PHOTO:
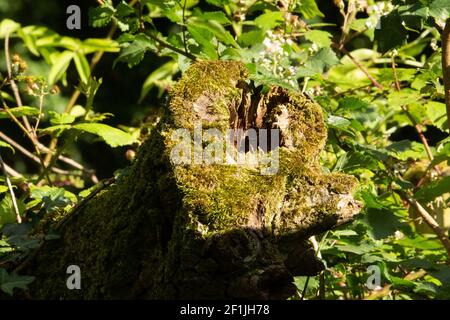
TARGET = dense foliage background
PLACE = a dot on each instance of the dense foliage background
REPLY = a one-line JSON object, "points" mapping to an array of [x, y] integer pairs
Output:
{"points": [[76, 104]]}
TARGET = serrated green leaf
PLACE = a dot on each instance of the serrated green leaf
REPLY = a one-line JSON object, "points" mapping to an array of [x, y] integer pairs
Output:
{"points": [[440, 9], [8, 282], [112, 136], [100, 16], [133, 53], [19, 112], [397, 99], [203, 37], [60, 118], [124, 10], [218, 16], [217, 29], [321, 38], [251, 38], [59, 66], [308, 8], [405, 149], [318, 63], [269, 20]]}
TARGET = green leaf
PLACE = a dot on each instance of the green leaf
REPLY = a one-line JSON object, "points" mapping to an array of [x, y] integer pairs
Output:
{"points": [[269, 20], [382, 222], [100, 16], [93, 45], [82, 65], [320, 38], [318, 63], [433, 190], [217, 29], [59, 66], [405, 149], [8, 26], [308, 8], [405, 97], [7, 214], [19, 112], [218, 16], [6, 145], [251, 38], [133, 53], [392, 33], [401, 283], [420, 242], [29, 40], [167, 70], [338, 122], [440, 9], [124, 10], [203, 37], [112, 136], [61, 118], [57, 130], [353, 104], [8, 282], [52, 198], [3, 189]]}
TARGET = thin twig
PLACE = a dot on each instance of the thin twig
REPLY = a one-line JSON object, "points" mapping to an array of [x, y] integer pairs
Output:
{"points": [[359, 65], [394, 70], [170, 47], [13, 84], [28, 154], [33, 139], [422, 137], [12, 172], [41, 105], [11, 191], [438, 230]]}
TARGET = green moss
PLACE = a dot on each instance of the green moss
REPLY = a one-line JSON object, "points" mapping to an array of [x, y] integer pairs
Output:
{"points": [[210, 86], [147, 232]]}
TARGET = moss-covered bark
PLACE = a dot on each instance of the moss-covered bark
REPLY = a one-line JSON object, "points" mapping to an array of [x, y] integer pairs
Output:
{"points": [[168, 230]]}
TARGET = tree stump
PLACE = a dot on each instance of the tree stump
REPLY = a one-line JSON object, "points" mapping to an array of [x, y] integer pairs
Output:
{"points": [[170, 230]]}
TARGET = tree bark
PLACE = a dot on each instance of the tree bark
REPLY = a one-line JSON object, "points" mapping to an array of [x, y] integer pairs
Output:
{"points": [[171, 230]]}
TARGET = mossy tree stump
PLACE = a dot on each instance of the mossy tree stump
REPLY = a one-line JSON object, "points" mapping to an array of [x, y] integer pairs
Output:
{"points": [[206, 231]]}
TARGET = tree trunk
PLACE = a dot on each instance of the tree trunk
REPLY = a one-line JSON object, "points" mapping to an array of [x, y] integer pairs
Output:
{"points": [[169, 229]]}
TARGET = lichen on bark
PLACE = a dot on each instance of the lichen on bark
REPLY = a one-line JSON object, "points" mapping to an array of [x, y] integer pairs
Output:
{"points": [[196, 230]]}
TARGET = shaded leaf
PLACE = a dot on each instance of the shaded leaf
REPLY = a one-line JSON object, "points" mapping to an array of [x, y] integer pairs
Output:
{"points": [[8, 282], [59, 66], [112, 136]]}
